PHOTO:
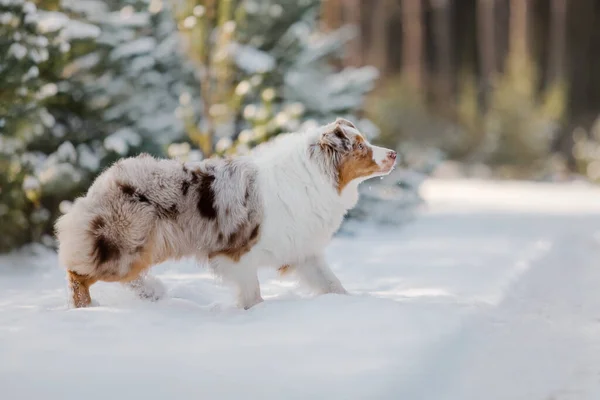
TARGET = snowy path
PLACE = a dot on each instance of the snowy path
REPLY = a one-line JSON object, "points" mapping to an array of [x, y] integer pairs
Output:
{"points": [[494, 293]]}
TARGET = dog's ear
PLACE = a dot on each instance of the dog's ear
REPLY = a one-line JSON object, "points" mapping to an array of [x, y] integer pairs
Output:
{"points": [[336, 139], [342, 121]]}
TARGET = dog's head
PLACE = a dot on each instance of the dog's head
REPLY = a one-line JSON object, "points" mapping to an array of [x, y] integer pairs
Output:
{"points": [[351, 156]]}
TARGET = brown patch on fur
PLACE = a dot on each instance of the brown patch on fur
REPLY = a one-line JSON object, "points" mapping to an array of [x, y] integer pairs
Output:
{"points": [[284, 269], [206, 197], [239, 243], [80, 289], [233, 238], [136, 268], [143, 261], [356, 164]]}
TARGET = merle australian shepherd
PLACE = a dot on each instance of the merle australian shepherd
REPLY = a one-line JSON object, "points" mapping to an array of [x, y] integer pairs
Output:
{"points": [[277, 207]]}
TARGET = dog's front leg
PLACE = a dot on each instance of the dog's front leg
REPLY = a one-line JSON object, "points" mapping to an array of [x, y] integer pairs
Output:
{"points": [[243, 277], [315, 273]]}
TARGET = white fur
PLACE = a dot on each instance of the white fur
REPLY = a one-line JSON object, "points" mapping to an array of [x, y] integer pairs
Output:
{"points": [[380, 154], [302, 212]]}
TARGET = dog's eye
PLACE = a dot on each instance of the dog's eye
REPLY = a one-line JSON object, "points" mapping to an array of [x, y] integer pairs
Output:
{"points": [[360, 146]]}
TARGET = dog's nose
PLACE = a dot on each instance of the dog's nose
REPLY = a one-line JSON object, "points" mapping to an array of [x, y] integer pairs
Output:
{"points": [[392, 154]]}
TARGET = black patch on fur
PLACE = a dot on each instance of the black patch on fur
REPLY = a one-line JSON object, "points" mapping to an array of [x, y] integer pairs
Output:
{"points": [[206, 197], [339, 133], [131, 191], [220, 237], [185, 170], [96, 224], [232, 238], [246, 196], [344, 141], [167, 213], [126, 188], [335, 141], [195, 177], [185, 186], [104, 250], [254, 233]]}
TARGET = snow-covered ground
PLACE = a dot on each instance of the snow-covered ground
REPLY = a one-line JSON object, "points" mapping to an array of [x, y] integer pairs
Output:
{"points": [[492, 293]]}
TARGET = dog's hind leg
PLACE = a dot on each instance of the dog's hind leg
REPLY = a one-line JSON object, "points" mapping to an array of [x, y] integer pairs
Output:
{"points": [[243, 277], [79, 286], [147, 287], [316, 274]]}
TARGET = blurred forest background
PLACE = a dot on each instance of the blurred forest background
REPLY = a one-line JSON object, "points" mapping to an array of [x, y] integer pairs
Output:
{"points": [[483, 88]]}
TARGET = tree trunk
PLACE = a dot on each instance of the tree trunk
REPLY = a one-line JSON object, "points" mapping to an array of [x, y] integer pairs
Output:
{"points": [[518, 33], [354, 49], [557, 38], [378, 52], [486, 44], [331, 15], [412, 43], [442, 42]]}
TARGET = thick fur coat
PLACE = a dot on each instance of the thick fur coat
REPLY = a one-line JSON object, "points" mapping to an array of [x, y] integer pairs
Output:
{"points": [[278, 207]]}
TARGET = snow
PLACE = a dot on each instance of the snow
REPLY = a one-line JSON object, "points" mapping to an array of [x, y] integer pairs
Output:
{"points": [[121, 140], [134, 48], [30, 183], [66, 152], [80, 30], [252, 60], [87, 158], [52, 21], [491, 293], [85, 7], [17, 50], [139, 19]]}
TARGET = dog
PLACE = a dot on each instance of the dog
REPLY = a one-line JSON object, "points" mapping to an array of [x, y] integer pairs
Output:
{"points": [[277, 206]]}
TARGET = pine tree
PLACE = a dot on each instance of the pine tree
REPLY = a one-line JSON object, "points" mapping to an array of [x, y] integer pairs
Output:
{"points": [[137, 77], [84, 82], [266, 69], [35, 46]]}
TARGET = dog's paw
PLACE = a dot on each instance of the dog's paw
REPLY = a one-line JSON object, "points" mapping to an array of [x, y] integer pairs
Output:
{"points": [[248, 304], [150, 288]]}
